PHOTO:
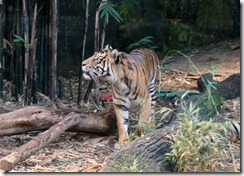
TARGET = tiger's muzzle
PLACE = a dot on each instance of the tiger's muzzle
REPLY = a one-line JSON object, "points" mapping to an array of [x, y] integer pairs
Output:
{"points": [[89, 74]]}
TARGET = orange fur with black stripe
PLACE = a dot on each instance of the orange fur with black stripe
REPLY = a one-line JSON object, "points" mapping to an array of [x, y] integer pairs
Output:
{"points": [[133, 78]]}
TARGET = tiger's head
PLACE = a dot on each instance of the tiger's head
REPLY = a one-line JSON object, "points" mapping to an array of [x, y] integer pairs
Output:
{"points": [[99, 64]]}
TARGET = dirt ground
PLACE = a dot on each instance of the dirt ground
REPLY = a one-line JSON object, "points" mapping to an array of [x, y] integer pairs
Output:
{"points": [[82, 152]]}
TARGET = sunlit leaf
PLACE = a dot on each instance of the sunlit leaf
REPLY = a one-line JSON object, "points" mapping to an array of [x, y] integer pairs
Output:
{"points": [[7, 42], [20, 39]]}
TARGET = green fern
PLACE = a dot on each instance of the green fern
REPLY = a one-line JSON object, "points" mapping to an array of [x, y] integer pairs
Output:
{"points": [[146, 42]]}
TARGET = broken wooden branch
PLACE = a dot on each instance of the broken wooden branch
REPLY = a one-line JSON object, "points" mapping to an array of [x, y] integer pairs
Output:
{"points": [[43, 139], [33, 118]]}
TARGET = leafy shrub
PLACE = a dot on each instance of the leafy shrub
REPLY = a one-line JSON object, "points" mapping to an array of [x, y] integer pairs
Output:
{"points": [[198, 146], [202, 146]]}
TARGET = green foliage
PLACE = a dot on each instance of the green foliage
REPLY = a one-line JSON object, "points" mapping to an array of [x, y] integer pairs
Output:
{"points": [[198, 145], [165, 114], [137, 130], [182, 36], [129, 9], [214, 17], [145, 42], [131, 168], [19, 39], [213, 102], [107, 9], [207, 16], [213, 68], [178, 24]]}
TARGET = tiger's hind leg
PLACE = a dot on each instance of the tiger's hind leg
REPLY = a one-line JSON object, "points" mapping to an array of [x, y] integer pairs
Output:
{"points": [[144, 117], [152, 90]]}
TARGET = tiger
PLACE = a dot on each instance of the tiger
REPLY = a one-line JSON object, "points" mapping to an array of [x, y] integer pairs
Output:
{"points": [[133, 80]]}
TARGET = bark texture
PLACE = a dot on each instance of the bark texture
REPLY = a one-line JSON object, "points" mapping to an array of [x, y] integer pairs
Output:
{"points": [[33, 118], [147, 153], [43, 139], [228, 88]]}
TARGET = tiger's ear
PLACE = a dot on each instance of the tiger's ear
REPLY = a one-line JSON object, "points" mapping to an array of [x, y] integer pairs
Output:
{"points": [[114, 56], [108, 47]]}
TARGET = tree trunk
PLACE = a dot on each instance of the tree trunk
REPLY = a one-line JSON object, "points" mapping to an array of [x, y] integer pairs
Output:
{"points": [[54, 40], [43, 139], [33, 118]]}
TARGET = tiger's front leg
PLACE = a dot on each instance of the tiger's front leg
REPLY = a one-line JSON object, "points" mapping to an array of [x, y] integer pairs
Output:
{"points": [[122, 118]]}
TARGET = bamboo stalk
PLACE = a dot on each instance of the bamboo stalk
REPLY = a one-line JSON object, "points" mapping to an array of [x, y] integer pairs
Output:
{"points": [[96, 37], [12, 26], [31, 59], [26, 38], [103, 34], [67, 54], [70, 88], [88, 91], [83, 53], [61, 88], [34, 81], [41, 56], [2, 24], [46, 51], [54, 39], [97, 47], [18, 54]]}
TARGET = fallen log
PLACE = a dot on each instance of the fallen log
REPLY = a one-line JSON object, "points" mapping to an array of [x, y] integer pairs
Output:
{"points": [[33, 118], [146, 153], [212, 97], [214, 93], [227, 89], [40, 141]]}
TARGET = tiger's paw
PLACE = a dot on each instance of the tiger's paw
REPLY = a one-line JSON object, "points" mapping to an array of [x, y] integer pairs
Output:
{"points": [[117, 146]]}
